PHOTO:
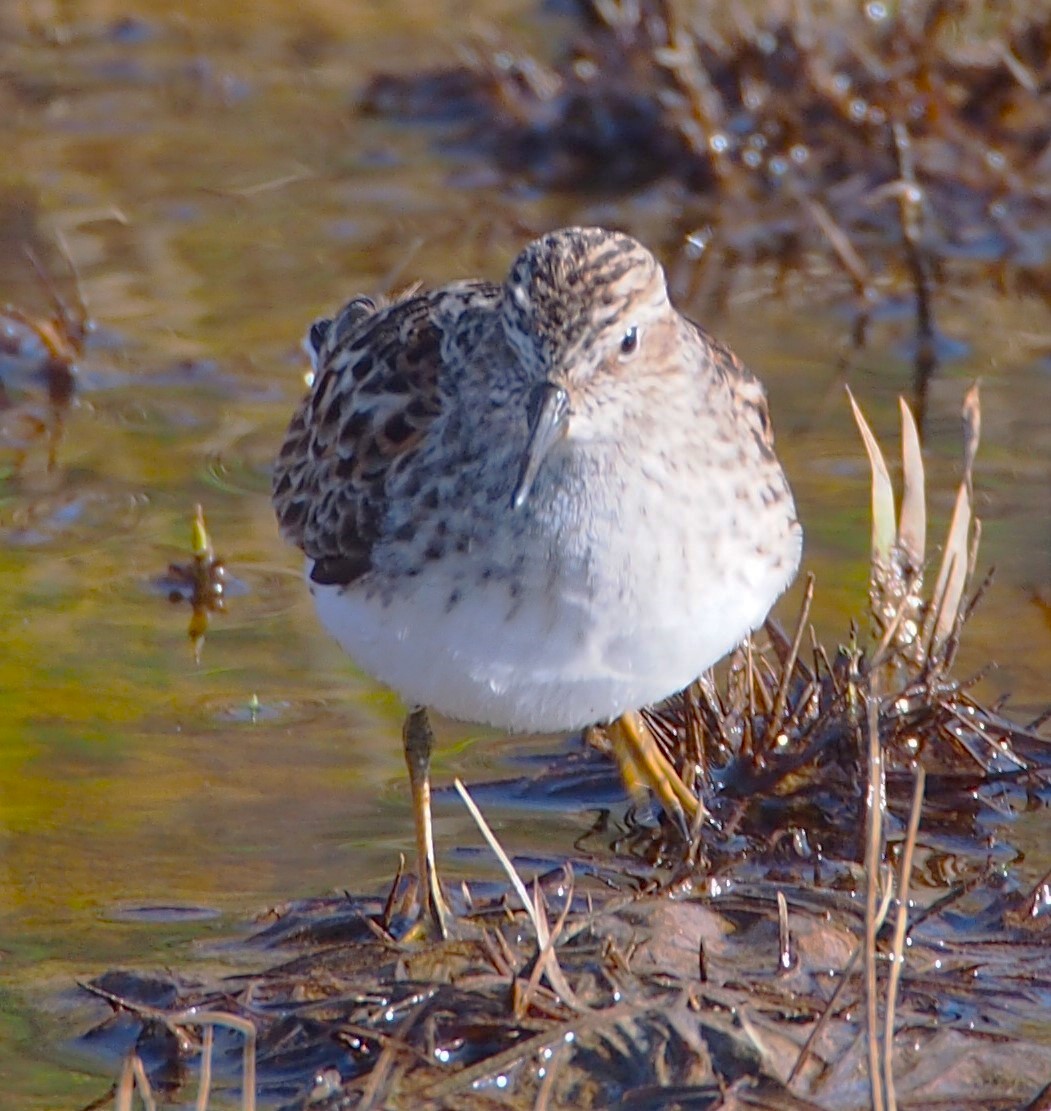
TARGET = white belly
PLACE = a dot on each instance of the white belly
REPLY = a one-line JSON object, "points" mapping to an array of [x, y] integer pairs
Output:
{"points": [[547, 661]]}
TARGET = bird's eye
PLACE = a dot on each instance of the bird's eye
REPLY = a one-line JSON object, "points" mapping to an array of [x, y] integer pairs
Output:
{"points": [[630, 341]]}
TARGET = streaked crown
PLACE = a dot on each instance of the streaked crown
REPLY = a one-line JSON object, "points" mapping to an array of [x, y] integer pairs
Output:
{"points": [[568, 287]]}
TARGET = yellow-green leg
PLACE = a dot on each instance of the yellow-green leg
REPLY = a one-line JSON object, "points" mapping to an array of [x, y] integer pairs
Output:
{"points": [[642, 765], [419, 741]]}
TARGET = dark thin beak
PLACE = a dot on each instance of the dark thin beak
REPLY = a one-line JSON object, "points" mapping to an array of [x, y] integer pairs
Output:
{"points": [[549, 407]]}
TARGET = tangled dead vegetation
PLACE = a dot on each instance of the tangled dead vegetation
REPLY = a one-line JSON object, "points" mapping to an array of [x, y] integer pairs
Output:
{"points": [[38, 365], [873, 153]]}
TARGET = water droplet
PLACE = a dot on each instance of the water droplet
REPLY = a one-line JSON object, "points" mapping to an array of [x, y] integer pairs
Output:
{"points": [[585, 69], [697, 242]]}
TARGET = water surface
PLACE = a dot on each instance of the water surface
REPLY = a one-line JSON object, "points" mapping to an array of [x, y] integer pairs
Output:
{"points": [[217, 191]]}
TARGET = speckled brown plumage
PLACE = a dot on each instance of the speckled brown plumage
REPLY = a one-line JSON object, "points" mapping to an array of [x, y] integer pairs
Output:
{"points": [[385, 377]]}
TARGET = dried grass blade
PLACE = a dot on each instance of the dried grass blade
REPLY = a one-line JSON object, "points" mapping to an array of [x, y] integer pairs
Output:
{"points": [[845, 251], [539, 923], [825, 1016], [243, 1026], [952, 575], [788, 666], [884, 530], [877, 802], [547, 1086], [81, 318], [972, 430], [204, 1090], [142, 1081], [784, 935], [912, 526], [122, 1098], [125, 1087], [547, 961], [900, 928], [133, 1078], [545, 938]]}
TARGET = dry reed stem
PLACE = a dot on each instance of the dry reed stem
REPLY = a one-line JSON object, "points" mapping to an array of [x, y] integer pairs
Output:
{"points": [[133, 1079], [245, 1027], [900, 930], [876, 801], [777, 715], [552, 971], [204, 1088], [784, 935]]}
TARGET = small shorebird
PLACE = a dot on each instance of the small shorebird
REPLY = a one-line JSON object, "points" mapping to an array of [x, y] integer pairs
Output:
{"points": [[540, 504]]}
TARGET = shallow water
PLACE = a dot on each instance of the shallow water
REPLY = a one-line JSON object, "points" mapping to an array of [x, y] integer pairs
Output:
{"points": [[217, 192]]}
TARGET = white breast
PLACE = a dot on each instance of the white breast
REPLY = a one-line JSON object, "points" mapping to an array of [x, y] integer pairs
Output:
{"points": [[555, 658]]}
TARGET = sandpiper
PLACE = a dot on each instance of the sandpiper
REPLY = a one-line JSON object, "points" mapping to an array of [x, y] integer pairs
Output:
{"points": [[538, 504]]}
